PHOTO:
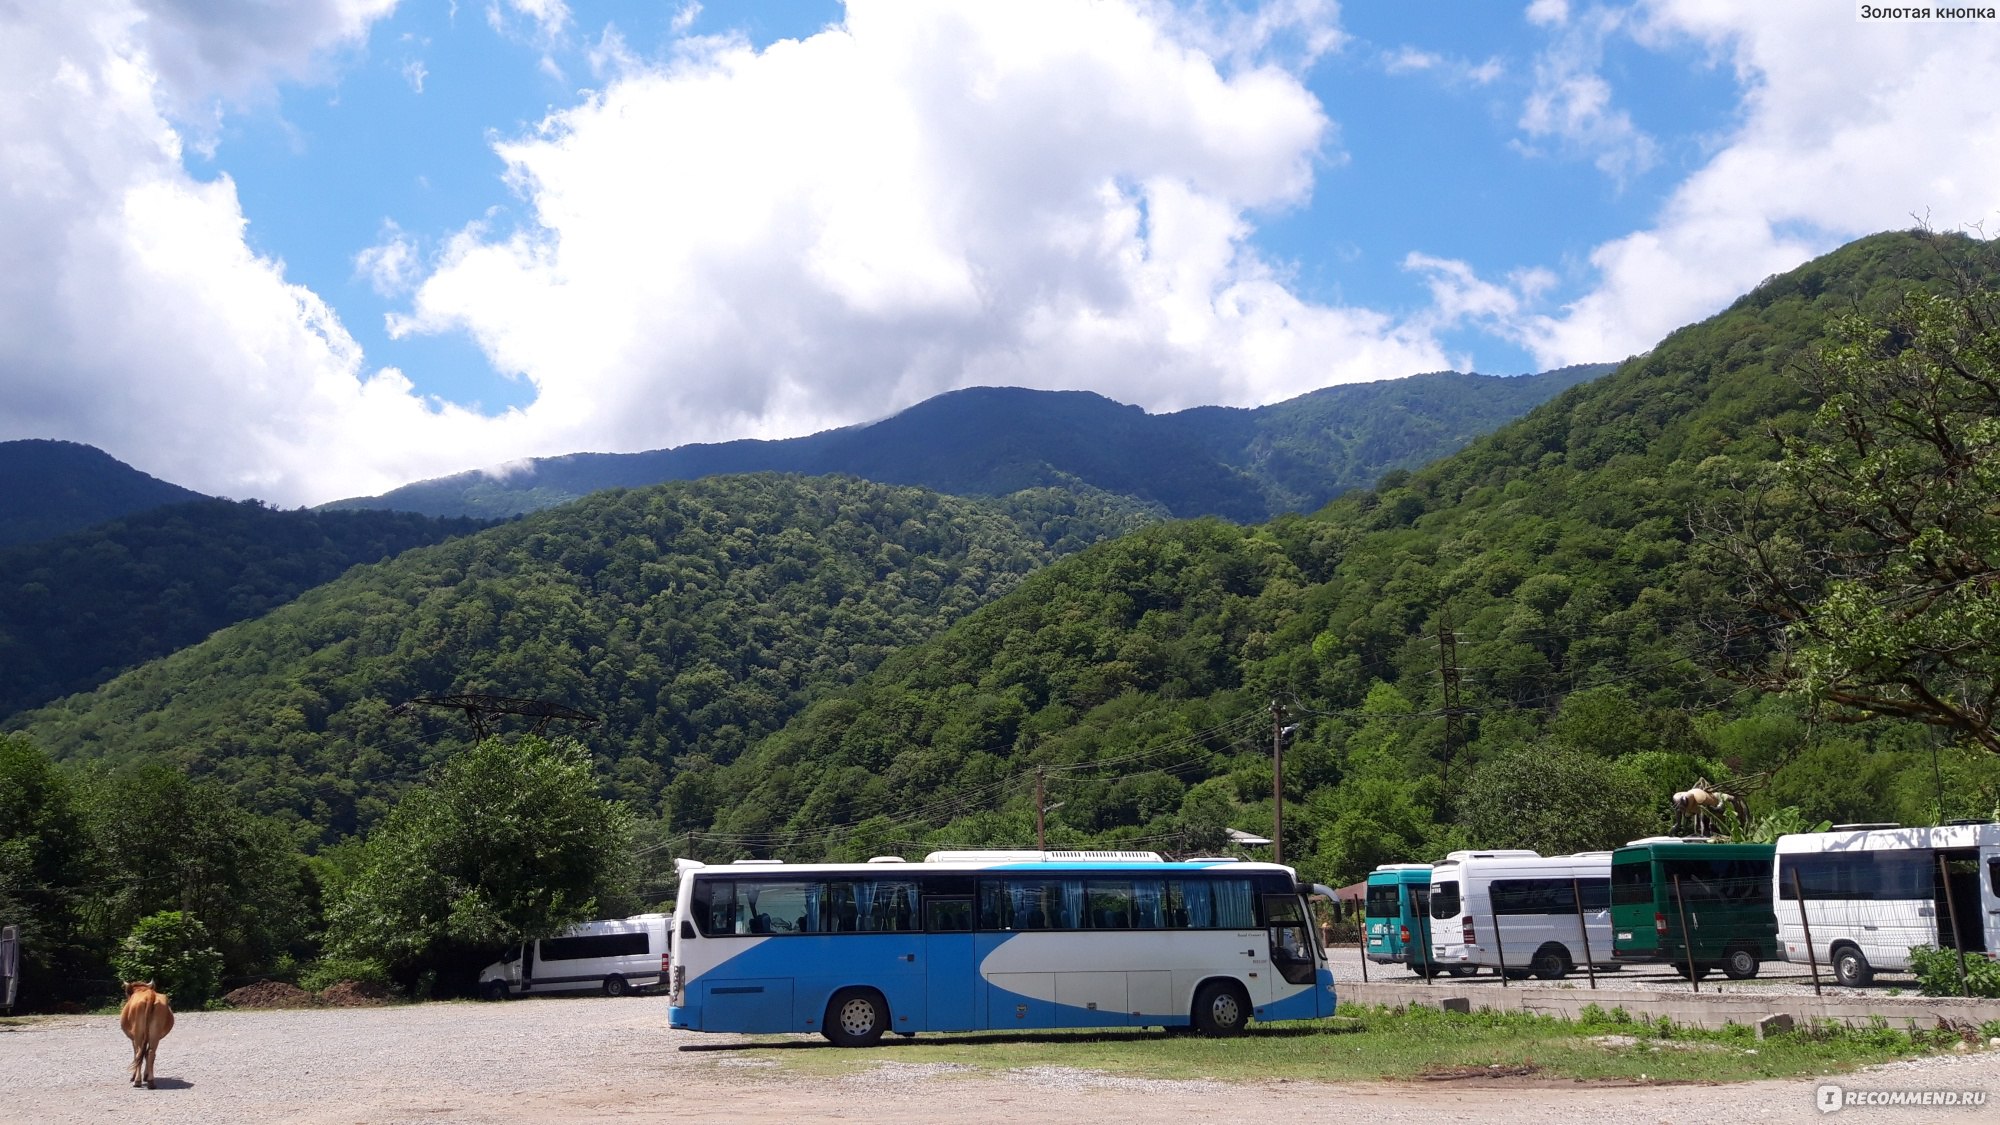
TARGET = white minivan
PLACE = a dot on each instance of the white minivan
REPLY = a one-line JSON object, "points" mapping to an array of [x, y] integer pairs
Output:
{"points": [[1517, 911], [616, 956]]}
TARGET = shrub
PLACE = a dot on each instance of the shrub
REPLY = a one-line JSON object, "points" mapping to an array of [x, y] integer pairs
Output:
{"points": [[329, 971], [1937, 973], [175, 952]]}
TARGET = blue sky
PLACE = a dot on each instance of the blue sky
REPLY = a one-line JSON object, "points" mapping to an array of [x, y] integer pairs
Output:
{"points": [[320, 249]]}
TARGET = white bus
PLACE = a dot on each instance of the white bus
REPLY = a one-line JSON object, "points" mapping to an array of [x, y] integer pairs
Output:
{"points": [[615, 956], [1874, 891], [1532, 898], [978, 940]]}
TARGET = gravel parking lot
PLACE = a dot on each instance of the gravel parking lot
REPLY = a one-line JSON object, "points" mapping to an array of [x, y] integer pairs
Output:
{"points": [[1774, 978], [594, 1059]]}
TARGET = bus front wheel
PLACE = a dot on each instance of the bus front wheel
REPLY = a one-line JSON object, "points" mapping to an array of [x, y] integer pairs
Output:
{"points": [[855, 1017], [1850, 968], [1551, 962], [494, 990], [1220, 1009]]}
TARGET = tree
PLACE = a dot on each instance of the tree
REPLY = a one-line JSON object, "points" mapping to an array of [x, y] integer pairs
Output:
{"points": [[44, 867], [173, 951], [1555, 799], [511, 842], [1864, 568]]}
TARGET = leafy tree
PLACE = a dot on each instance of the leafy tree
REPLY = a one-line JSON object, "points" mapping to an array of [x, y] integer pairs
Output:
{"points": [[1869, 559], [1555, 800], [511, 842], [172, 950], [44, 867], [171, 843]]}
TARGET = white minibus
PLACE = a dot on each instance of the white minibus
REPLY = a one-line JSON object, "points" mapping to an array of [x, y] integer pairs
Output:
{"points": [[1874, 891], [1533, 900], [615, 956]]}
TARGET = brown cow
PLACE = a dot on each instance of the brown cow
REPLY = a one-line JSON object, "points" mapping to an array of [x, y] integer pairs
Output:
{"points": [[146, 1019]]}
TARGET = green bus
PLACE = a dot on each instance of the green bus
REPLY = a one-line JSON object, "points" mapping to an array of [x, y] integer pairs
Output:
{"points": [[1723, 891]]}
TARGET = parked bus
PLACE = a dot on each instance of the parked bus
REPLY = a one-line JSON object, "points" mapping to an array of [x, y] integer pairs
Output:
{"points": [[1397, 920], [981, 940], [1722, 890], [1533, 899], [1874, 891], [614, 956]]}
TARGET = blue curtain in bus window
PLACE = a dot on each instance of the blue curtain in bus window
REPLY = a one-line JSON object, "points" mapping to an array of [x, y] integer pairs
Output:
{"points": [[814, 891], [864, 904], [1199, 905], [1234, 906], [1072, 905], [1147, 912]]}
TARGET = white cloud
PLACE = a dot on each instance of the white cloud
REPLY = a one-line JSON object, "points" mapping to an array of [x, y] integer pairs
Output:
{"points": [[199, 50], [147, 326], [1548, 12], [414, 73], [684, 17], [391, 265], [1572, 103], [926, 197], [1846, 129]]}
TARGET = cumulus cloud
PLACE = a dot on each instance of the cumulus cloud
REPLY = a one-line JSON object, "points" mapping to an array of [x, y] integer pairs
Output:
{"points": [[1846, 129], [922, 198], [1572, 104], [147, 326]]}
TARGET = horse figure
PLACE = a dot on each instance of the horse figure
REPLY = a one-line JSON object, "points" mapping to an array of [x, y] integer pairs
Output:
{"points": [[146, 1019], [1703, 804]]}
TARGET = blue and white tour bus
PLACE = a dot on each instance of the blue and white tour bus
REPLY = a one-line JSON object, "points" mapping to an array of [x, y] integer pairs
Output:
{"points": [[988, 940]]}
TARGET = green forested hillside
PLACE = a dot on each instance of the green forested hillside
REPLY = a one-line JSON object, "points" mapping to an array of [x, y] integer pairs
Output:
{"points": [[53, 487], [78, 609], [1240, 464], [1556, 553], [693, 619]]}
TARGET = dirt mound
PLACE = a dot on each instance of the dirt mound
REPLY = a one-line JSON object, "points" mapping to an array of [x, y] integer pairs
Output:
{"points": [[269, 994], [354, 994]]}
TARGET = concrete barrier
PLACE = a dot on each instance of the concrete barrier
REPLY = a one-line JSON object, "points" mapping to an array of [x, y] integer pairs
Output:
{"points": [[1705, 1009]]}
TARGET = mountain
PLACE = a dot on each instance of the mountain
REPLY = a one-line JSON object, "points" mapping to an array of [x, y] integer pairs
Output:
{"points": [[691, 618], [1240, 464], [1132, 684], [58, 486], [77, 609]]}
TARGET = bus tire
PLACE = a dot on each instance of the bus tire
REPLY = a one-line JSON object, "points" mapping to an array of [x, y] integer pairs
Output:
{"points": [[1464, 970], [1740, 963], [1700, 971], [614, 985], [494, 990], [1515, 974], [1551, 962], [855, 1017], [1221, 1009], [1850, 968]]}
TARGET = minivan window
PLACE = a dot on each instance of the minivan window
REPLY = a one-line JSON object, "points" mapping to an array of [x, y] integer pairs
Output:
{"points": [[1444, 899]]}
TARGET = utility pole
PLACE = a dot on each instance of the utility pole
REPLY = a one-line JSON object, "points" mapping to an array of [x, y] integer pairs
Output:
{"points": [[1041, 841], [1448, 673], [1277, 782]]}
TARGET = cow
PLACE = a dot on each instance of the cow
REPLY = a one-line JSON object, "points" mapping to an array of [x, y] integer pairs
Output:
{"points": [[146, 1019]]}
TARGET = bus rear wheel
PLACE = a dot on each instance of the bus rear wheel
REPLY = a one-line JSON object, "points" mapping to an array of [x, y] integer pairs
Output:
{"points": [[1740, 964], [1464, 970], [1551, 962], [1220, 1009], [494, 990], [615, 986], [855, 1017]]}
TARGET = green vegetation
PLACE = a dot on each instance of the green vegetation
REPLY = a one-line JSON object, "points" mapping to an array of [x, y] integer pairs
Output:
{"points": [[994, 441], [510, 842], [1939, 972], [693, 619], [77, 610], [1868, 554], [1403, 1043], [172, 951]]}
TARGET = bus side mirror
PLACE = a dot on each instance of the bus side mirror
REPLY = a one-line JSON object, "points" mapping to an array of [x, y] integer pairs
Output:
{"points": [[687, 927]]}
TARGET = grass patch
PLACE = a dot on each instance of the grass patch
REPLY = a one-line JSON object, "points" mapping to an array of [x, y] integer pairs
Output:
{"points": [[1368, 1044]]}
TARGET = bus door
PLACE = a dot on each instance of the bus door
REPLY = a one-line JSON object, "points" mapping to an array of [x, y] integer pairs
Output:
{"points": [[1963, 868], [1291, 947], [1989, 894], [951, 965]]}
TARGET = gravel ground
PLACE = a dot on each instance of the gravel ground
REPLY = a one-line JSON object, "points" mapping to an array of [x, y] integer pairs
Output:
{"points": [[593, 1059]]}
